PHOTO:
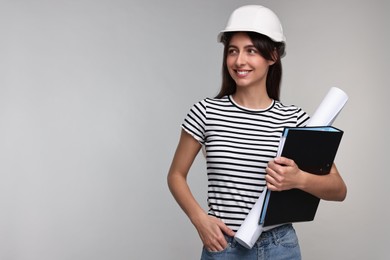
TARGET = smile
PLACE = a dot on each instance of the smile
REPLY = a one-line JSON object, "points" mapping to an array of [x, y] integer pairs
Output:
{"points": [[242, 72]]}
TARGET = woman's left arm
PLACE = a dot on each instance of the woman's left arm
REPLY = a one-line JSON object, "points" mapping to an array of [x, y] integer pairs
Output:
{"points": [[284, 174]]}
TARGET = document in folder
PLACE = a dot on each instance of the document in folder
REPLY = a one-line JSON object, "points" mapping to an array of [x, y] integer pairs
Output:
{"points": [[313, 149]]}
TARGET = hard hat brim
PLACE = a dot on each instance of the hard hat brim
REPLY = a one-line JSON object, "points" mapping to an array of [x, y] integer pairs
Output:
{"points": [[275, 38]]}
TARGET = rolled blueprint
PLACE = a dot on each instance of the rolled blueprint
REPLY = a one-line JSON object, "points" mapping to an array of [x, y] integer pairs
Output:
{"points": [[329, 108], [250, 230], [326, 113]]}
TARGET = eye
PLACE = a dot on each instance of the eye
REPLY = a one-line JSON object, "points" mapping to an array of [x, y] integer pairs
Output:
{"points": [[252, 51], [232, 51]]}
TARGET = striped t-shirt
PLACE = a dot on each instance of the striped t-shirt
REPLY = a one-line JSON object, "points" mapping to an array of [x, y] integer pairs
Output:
{"points": [[238, 143]]}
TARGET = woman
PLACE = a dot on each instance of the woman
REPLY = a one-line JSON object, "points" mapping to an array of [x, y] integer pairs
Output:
{"points": [[239, 131]]}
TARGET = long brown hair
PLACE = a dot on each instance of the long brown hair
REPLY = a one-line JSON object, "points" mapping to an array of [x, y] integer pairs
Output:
{"points": [[269, 50]]}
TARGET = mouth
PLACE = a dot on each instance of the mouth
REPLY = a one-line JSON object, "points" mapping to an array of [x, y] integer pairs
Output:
{"points": [[242, 73]]}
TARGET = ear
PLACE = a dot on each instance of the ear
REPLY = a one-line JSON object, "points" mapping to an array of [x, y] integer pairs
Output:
{"points": [[275, 57], [271, 62]]}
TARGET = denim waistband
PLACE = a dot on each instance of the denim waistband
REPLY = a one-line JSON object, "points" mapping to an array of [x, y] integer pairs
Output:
{"points": [[266, 237]]}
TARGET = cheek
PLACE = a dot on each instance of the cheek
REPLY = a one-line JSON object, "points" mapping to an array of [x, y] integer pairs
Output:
{"points": [[229, 61], [231, 72], [229, 65]]}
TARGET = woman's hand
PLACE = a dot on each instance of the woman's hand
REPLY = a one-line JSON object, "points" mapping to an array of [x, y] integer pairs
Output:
{"points": [[211, 231], [282, 174]]}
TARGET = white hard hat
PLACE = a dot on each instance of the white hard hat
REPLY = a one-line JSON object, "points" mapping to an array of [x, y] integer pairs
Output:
{"points": [[255, 18]]}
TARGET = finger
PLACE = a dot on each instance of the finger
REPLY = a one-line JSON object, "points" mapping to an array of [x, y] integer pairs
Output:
{"points": [[271, 170], [274, 175], [273, 164], [269, 178], [216, 249], [271, 187], [225, 229], [284, 161], [218, 244], [275, 167], [271, 184]]}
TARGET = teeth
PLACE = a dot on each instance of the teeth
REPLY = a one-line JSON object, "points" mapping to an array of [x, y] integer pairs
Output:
{"points": [[242, 72]]}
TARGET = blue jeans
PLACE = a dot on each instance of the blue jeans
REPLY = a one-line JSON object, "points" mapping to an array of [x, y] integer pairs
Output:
{"points": [[275, 244]]}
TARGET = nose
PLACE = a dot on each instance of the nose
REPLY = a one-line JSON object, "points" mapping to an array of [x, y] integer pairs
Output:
{"points": [[241, 59]]}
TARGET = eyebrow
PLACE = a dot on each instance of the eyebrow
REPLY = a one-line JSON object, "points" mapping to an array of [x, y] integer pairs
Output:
{"points": [[245, 47]]}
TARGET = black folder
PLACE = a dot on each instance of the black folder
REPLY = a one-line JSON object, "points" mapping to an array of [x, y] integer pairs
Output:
{"points": [[313, 149]]}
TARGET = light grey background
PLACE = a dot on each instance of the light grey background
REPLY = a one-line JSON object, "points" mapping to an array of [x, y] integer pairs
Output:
{"points": [[92, 95]]}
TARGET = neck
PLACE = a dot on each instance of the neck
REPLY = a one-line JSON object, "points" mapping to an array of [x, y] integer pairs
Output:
{"points": [[252, 98]]}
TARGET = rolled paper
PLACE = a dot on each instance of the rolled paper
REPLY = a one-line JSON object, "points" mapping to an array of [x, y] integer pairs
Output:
{"points": [[329, 108], [250, 230]]}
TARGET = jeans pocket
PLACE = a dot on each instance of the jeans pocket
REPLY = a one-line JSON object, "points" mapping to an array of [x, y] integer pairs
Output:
{"points": [[289, 239], [207, 254]]}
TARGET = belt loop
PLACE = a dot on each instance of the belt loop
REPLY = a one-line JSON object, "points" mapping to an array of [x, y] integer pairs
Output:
{"points": [[275, 235], [231, 241]]}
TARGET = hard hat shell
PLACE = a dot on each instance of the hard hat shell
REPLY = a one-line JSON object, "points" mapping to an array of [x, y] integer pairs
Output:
{"points": [[255, 18]]}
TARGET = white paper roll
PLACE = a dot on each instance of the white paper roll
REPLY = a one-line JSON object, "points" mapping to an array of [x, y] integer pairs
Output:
{"points": [[326, 113], [250, 230], [329, 108]]}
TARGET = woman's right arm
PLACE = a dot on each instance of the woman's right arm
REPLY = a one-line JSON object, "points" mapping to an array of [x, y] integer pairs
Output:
{"points": [[210, 229]]}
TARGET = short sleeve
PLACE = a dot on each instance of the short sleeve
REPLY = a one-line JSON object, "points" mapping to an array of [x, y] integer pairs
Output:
{"points": [[302, 118], [195, 121]]}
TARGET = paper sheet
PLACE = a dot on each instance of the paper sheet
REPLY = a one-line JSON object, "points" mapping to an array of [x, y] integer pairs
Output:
{"points": [[326, 113]]}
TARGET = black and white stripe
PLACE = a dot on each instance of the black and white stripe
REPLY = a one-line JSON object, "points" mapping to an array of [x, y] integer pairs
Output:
{"points": [[239, 143]]}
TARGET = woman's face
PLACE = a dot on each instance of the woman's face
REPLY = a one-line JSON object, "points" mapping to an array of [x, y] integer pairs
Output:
{"points": [[244, 62]]}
